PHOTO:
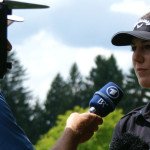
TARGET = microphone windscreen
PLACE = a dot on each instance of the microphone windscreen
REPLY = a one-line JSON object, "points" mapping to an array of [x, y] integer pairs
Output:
{"points": [[128, 141]]}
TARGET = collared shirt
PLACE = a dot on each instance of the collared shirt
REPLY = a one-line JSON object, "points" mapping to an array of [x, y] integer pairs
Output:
{"points": [[136, 122], [12, 137]]}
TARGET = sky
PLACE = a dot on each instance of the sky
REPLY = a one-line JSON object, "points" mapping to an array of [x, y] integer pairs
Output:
{"points": [[50, 40]]}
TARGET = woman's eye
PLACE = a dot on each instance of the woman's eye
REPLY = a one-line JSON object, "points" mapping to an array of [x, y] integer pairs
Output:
{"points": [[133, 48], [147, 47]]}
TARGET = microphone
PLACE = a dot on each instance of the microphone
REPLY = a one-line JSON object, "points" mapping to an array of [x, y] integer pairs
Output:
{"points": [[105, 100], [128, 141]]}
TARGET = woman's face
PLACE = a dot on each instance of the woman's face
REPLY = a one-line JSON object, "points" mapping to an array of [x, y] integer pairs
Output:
{"points": [[141, 61]]}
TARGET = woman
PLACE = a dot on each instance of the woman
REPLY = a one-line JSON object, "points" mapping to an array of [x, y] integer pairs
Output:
{"points": [[138, 120]]}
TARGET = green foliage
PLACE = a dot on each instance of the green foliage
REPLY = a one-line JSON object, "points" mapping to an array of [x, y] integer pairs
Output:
{"points": [[49, 139], [64, 95], [102, 138], [99, 141], [76, 90], [38, 122], [79, 95], [106, 70], [58, 99]]}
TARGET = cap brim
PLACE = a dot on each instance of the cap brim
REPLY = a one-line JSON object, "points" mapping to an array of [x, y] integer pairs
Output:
{"points": [[125, 38]]}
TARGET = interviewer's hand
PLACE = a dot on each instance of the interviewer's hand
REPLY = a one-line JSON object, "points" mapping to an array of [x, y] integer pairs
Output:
{"points": [[83, 125], [79, 128]]}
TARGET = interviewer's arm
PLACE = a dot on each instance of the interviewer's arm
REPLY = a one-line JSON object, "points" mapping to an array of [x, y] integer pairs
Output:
{"points": [[79, 128]]}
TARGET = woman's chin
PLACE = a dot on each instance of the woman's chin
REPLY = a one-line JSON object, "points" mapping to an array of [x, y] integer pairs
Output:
{"points": [[144, 83]]}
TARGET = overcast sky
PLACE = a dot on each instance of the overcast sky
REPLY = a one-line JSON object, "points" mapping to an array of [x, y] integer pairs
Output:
{"points": [[49, 41]]}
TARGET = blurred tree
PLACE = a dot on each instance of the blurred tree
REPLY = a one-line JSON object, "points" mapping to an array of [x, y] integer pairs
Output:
{"points": [[49, 139], [17, 95], [39, 125], [57, 101], [102, 138], [79, 88], [106, 70], [100, 141], [63, 96]]}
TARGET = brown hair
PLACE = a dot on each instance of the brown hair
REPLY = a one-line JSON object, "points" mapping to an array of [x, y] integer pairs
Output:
{"points": [[146, 16]]}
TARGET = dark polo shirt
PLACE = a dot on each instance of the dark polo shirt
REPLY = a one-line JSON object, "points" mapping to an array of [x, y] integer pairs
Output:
{"points": [[12, 137], [136, 122]]}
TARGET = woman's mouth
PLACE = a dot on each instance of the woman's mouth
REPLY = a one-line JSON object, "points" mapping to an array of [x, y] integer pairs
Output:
{"points": [[141, 71]]}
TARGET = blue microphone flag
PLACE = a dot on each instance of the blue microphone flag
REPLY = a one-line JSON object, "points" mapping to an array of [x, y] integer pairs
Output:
{"points": [[105, 100]]}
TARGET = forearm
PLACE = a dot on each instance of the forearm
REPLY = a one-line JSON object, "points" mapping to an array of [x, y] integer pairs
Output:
{"points": [[68, 141]]}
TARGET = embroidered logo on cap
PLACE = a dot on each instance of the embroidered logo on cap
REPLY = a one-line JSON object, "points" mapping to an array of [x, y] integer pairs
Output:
{"points": [[142, 22]]}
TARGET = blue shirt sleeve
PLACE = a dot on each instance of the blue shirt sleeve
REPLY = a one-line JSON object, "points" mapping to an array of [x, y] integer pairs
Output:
{"points": [[12, 137]]}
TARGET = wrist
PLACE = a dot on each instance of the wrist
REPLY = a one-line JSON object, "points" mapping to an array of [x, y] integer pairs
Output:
{"points": [[68, 141], [72, 136]]}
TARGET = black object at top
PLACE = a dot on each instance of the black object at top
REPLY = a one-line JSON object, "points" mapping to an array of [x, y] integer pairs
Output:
{"points": [[3, 39], [23, 5]]}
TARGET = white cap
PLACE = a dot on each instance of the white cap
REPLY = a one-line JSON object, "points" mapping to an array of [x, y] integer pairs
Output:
{"points": [[13, 18]]}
